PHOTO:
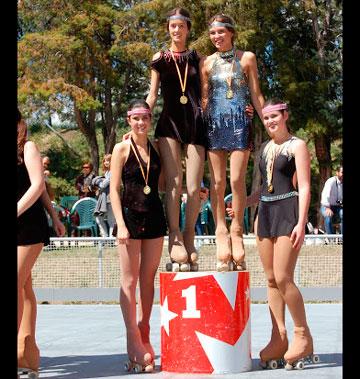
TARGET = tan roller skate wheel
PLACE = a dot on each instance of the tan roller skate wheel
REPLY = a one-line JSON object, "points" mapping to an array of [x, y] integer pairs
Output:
{"points": [[231, 266], [222, 266], [175, 267], [33, 375], [185, 267], [137, 368]]}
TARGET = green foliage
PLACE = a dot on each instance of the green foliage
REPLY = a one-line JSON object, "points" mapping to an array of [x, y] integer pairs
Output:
{"points": [[62, 187]]}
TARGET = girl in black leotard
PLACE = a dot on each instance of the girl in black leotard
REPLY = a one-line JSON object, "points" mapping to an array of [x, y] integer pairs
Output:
{"points": [[32, 235], [141, 227], [282, 214]]}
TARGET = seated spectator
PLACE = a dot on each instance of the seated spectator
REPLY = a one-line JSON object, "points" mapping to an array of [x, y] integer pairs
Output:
{"points": [[332, 201], [83, 181]]}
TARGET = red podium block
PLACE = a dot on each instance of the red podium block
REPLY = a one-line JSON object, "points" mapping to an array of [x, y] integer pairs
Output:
{"points": [[205, 322]]}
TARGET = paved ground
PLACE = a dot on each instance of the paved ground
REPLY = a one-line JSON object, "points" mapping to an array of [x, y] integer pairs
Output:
{"points": [[88, 341]]}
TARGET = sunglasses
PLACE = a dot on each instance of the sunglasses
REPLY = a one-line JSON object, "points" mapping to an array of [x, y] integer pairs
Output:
{"points": [[86, 166]]}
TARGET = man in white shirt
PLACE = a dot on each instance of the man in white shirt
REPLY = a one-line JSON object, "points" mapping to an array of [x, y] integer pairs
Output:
{"points": [[332, 201]]}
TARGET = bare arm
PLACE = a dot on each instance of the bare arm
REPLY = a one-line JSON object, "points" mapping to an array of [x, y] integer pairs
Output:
{"points": [[35, 169], [154, 85], [118, 159], [204, 82], [250, 67], [57, 224], [302, 163]]}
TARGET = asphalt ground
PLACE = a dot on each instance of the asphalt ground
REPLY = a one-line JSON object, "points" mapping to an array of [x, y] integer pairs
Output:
{"points": [[89, 341]]}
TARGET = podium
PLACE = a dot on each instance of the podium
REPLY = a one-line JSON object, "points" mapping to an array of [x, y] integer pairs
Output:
{"points": [[205, 322]]}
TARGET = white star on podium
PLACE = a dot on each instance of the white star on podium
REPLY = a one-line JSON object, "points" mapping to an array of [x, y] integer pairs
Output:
{"points": [[226, 358], [166, 315]]}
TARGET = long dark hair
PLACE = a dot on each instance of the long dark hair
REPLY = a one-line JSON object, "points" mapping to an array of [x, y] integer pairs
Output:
{"points": [[181, 11], [21, 137]]}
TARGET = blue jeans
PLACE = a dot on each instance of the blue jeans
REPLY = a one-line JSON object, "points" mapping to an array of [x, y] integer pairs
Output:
{"points": [[328, 221]]}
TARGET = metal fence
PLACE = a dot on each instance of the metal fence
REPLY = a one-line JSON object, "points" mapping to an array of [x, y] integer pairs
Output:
{"points": [[87, 268]]}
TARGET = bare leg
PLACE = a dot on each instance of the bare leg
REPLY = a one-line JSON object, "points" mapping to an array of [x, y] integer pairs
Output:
{"points": [[285, 257], [28, 353], [170, 151], [195, 157], [238, 164], [278, 344], [150, 259], [217, 164], [129, 256]]}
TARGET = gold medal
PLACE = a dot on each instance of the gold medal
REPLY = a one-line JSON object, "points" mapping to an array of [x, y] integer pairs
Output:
{"points": [[183, 99], [147, 190], [270, 188], [229, 94]]}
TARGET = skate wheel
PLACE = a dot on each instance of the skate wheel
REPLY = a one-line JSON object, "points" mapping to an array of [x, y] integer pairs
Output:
{"points": [[315, 359], [127, 366], [222, 266], [168, 266], [185, 267], [149, 368], [137, 368], [33, 375], [194, 267], [231, 266], [289, 366], [175, 267], [299, 365], [273, 364]]}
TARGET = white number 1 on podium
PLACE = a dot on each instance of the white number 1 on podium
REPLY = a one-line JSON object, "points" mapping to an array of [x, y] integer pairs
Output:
{"points": [[190, 295]]}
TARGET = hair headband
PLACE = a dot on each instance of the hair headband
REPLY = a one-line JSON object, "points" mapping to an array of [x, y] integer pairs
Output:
{"points": [[218, 24], [275, 107], [178, 17], [139, 111]]}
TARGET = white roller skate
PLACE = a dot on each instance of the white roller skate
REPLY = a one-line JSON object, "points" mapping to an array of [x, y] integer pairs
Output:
{"points": [[31, 374]]}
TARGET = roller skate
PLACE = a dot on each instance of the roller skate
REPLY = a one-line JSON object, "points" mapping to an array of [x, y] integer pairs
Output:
{"points": [[223, 252], [135, 364], [190, 248], [272, 356], [300, 350], [28, 357], [178, 255], [237, 247], [145, 338]]}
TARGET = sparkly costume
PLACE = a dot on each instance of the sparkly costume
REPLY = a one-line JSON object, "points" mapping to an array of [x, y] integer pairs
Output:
{"points": [[143, 214], [182, 122], [32, 225], [278, 217], [228, 127]]}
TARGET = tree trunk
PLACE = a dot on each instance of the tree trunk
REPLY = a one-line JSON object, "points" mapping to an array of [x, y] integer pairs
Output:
{"points": [[323, 155], [87, 127]]}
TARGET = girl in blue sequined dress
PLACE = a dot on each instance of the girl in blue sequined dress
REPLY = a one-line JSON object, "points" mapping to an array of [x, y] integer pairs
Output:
{"points": [[229, 81]]}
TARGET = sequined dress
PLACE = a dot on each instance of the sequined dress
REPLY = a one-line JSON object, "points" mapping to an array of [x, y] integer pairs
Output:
{"points": [[182, 122], [228, 127]]}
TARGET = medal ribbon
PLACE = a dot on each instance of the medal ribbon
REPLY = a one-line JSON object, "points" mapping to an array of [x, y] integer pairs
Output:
{"points": [[141, 168], [182, 83]]}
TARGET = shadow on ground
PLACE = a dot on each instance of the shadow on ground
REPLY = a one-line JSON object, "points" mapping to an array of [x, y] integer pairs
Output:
{"points": [[97, 366]]}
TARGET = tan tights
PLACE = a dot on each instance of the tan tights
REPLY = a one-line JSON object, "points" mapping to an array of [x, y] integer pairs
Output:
{"points": [[170, 151]]}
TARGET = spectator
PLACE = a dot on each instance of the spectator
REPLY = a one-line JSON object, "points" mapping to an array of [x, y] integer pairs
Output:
{"points": [[46, 164], [83, 181], [103, 211], [332, 201], [183, 211], [200, 222]]}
